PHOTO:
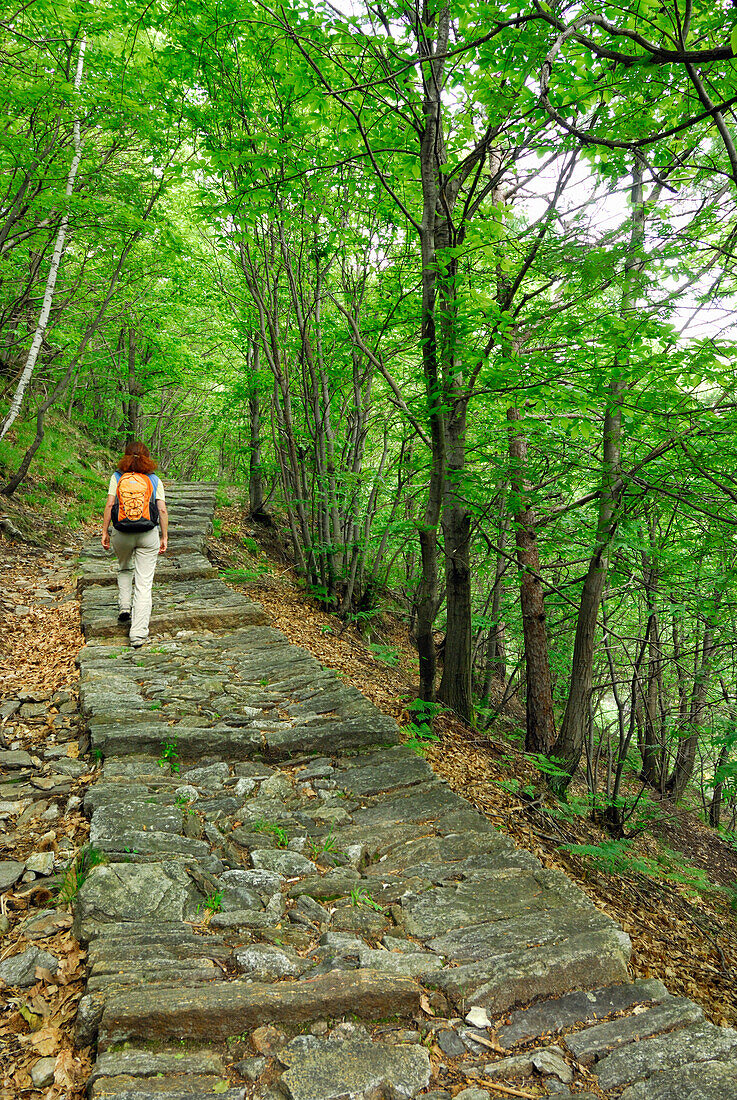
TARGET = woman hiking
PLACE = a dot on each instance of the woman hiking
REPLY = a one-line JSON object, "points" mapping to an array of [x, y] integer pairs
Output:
{"points": [[136, 507]]}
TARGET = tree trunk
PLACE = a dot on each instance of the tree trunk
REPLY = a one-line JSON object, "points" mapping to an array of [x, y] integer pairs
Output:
{"points": [[686, 752], [576, 719], [43, 320], [255, 475], [540, 733]]}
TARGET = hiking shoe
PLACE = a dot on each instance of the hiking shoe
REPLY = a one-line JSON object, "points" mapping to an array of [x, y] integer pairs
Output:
{"points": [[124, 617], [138, 643]]}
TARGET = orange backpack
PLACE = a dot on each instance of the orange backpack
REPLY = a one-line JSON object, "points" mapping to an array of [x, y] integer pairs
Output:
{"points": [[134, 508]]}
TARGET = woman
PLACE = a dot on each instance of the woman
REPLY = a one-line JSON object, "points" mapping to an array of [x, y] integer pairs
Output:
{"points": [[136, 506]]}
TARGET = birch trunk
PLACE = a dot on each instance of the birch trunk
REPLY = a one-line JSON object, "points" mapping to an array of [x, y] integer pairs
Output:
{"points": [[48, 299]]}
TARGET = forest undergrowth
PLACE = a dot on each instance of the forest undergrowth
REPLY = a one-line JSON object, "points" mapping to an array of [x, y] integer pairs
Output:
{"points": [[656, 886]]}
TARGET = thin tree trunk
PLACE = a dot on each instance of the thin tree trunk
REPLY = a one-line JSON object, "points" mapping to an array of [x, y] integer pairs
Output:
{"points": [[540, 733], [575, 724], [43, 320]]}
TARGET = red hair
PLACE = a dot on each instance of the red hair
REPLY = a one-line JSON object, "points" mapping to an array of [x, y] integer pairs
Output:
{"points": [[136, 460]]}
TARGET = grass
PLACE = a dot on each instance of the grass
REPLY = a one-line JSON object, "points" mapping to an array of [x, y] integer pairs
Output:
{"points": [[67, 481], [77, 871]]}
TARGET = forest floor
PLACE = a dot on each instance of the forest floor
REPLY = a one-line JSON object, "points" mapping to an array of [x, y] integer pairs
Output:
{"points": [[685, 936]]}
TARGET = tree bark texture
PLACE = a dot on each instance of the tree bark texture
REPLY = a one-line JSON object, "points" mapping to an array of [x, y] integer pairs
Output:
{"points": [[540, 734]]}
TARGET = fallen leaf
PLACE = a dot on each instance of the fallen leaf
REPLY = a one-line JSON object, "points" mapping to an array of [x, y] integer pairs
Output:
{"points": [[425, 1005], [47, 1041], [32, 1019]]}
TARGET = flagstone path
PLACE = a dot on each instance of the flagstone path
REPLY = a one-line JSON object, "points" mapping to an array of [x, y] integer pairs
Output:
{"points": [[294, 906]]}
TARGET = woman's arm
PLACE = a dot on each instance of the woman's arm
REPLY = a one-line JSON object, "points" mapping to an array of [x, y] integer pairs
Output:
{"points": [[106, 522], [164, 520]]}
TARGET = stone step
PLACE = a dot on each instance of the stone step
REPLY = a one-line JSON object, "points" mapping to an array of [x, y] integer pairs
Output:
{"points": [[546, 971], [699, 1081], [177, 605], [593, 1043], [164, 1088], [182, 567], [700, 1042], [574, 1009], [221, 1009]]}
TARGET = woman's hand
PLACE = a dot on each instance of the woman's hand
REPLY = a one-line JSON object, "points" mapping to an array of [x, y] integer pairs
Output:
{"points": [[163, 544], [106, 540]]}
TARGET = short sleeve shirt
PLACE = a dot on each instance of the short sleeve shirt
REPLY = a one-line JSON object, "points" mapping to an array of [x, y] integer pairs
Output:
{"points": [[113, 486]]}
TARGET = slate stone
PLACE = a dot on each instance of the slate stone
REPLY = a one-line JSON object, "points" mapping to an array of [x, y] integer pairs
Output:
{"points": [[265, 962], [425, 802], [323, 1069], [478, 942], [697, 1043], [496, 896], [702, 1081], [283, 862], [42, 1072], [210, 777], [42, 863], [15, 758], [20, 970], [239, 897], [134, 816], [399, 767], [250, 1069], [521, 976], [10, 872], [213, 1011], [125, 1087], [146, 1063], [260, 880], [354, 918], [594, 1042], [133, 892], [336, 883], [450, 1043], [576, 1008]]}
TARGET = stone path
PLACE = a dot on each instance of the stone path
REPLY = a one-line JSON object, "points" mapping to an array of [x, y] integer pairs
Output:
{"points": [[294, 906]]}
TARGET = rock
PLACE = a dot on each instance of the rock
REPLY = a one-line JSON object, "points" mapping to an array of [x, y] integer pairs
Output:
{"points": [[4, 924], [450, 1044], [289, 864], [130, 892], [517, 1065], [244, 787], [186, 793], [268, 1040], [277, 786], [338, 882], [697, 1043], [41, 862], [20, 970], [33, 710], [577, 1008], [210, 1011], [353, 918], [46, 922], [210, 777], [266, 962], [42, 1072], [478, 1017], [10, 872], [323, 1069], [473, 1093], [594, 1042], [312, 909], [534, 971], [147, 1063], [15, 758], [550, 1062], [250, 1069], [703, 1081], [238, 897], [263, 882]]}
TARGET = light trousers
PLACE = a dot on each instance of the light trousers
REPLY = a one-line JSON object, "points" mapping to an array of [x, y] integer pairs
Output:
{"points": [[137, 555]]}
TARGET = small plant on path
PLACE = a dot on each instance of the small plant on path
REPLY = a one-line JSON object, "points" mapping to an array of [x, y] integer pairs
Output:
{"points": [[169, 755]]}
